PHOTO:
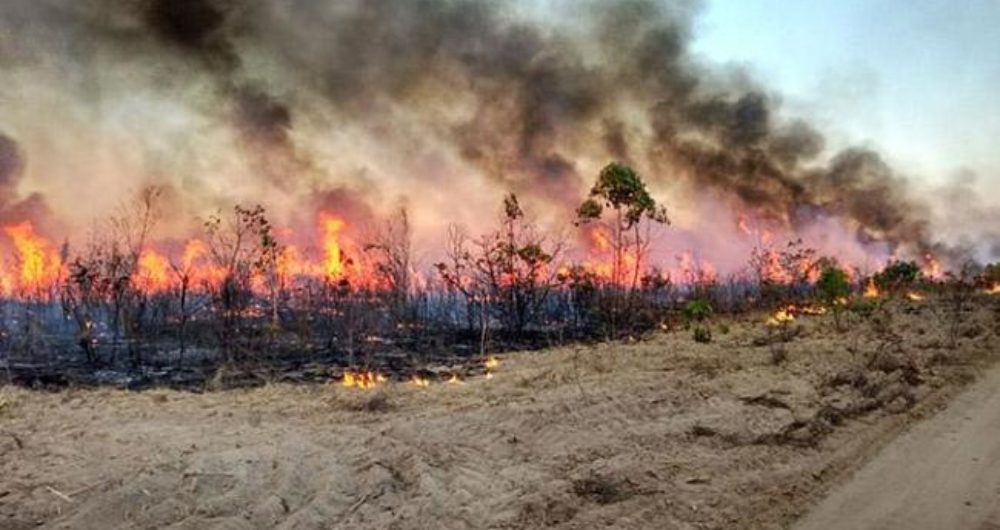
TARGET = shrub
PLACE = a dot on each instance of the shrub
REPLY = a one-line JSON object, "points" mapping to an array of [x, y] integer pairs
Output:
{"points": [[702, 334], [697, 310], [897, 275], [833, 288]]}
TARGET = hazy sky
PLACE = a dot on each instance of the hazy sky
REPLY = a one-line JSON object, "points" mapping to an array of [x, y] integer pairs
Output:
{"points": [[918, 78]]}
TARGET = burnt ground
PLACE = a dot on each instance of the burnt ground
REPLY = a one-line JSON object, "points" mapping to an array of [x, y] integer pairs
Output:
{"points": [[663, 433]]}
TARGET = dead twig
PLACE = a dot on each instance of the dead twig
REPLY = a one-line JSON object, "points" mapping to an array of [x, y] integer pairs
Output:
{"points": [[59, 494]]}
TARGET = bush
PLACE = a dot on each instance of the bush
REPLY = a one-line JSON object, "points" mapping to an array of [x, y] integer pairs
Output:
{"points": [[697, 311], [702, 334], [833, 284], [863, 308], [834, 288], [897, 275]]}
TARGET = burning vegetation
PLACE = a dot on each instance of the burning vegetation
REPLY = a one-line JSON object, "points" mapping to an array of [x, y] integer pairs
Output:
{"points": [[376, 168], [240, 295]]}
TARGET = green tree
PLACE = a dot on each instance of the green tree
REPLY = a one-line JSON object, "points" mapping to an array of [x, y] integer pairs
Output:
{"points": [[897, 276], [834, 287], [621, 189]]}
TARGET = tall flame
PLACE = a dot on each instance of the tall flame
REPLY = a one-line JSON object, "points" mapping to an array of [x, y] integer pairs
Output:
{"points": [[330, 228], [154, 272], [40, 264]]}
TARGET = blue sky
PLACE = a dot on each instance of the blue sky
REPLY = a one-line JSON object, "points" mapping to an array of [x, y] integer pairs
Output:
{"points": [[919, 79]]}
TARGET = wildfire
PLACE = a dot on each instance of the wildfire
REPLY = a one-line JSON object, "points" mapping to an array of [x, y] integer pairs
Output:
{"points": [[871, 290], [491, 362], [330, 227], [780, 317], [813, 310], [363, 380], [454, 380], [932, 267], [994, 289], [153, 275], [915, 296], [420, 381], [40, 265], [600, 239], [741, 223]]}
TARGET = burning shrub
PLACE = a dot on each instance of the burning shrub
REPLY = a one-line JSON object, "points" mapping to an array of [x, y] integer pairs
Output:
{"points": [[507, 273], [783, 275], [620, 189]]}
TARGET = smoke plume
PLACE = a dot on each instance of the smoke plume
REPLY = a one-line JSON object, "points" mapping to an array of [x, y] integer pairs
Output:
{"points": [[443, 103]]}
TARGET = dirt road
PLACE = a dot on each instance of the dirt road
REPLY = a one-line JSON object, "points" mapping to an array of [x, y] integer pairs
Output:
{"points": [[943, 473]]}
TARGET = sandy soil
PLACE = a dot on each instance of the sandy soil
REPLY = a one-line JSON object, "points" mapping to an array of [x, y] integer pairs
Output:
{"points": [[662, 433], [943, 473]]}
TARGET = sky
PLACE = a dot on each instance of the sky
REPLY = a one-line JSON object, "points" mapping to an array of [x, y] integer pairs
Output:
{"points": [[918, 79]]}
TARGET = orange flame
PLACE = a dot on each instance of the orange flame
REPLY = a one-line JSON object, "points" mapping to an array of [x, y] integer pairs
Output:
{"points": [[40, 263], [153, 273], [871, 290], [363, 380], [780, 317], [330, 226]]}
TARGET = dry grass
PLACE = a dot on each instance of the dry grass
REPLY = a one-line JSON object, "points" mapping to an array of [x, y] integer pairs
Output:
{"points": [[661, 433]]}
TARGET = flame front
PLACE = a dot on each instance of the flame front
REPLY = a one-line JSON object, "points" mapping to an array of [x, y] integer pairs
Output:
{"points": [[330, 228], [154, 272], [363, 380], [871, 290], [40, 265]]}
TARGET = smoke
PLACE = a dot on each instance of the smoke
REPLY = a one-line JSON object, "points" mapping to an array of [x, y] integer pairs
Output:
{"points": [[444, 103], [13, 208]]}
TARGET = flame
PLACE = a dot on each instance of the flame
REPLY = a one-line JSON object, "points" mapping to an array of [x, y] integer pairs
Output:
{"points": [[454, 380], [814, 310], [600, 239], [994, 289], [915, 296], [781, 316], [491, 363], [871, 290], [153, 273], [420, 381], [40, 263], [6, 283], [741, 223], [363, 380], [330, 227], [932, 267]]}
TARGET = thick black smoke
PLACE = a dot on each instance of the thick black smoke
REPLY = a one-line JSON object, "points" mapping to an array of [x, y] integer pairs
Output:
{"points": [[13, 208], [526, 99]]}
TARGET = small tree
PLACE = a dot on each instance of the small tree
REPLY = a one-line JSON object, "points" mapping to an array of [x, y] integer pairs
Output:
{"points": [[897, 276], [390, 244], [243, 246], [695, 313], [833, 288], [509, 272], [620, 189]]}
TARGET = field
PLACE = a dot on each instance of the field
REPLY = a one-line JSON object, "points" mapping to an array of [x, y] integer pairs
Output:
{"points": [[661, 432]]}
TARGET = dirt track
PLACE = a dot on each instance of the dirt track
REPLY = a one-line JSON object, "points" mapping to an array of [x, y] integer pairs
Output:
{"points": [[944, 473]]}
